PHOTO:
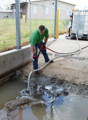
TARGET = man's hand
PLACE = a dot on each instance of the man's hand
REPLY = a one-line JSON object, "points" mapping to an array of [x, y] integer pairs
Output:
{"points": [[33, 49], [43, 46], [34, 52], [44, 43]]}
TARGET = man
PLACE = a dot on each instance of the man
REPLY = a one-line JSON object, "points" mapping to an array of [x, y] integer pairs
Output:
{"points": [[70, 25], [38, 40]]}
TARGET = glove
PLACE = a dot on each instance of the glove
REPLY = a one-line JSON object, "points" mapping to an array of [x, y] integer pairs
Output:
{"points": [[43, 46], [35, 56], [44, 43]]}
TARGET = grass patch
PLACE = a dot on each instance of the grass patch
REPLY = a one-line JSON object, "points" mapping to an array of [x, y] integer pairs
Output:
{"points": [[8, 31]]}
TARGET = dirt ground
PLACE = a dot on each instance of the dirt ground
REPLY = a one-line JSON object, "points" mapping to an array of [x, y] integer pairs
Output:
{"points": [[68, 69]]}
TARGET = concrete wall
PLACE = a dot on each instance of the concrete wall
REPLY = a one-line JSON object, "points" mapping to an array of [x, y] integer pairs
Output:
{"points": [[13, 59]]}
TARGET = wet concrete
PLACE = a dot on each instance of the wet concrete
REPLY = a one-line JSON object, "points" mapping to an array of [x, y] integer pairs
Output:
{"points": [[64, 108]]}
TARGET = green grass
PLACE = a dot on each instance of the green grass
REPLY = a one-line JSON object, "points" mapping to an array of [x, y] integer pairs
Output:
{"points": [[8, 31]]}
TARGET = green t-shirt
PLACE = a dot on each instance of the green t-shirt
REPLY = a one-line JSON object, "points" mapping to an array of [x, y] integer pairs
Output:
{"points": [[37, 38]]}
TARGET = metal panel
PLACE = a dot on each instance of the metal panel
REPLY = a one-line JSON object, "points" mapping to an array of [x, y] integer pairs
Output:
{"points": [[80, 22]]}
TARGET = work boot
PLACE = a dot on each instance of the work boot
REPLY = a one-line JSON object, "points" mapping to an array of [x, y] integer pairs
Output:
{"points": [[50, 61]]}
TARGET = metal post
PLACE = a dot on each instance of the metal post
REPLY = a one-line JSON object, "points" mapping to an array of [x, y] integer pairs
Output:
{"points": [[55, 18], [18, 33], [30, 18]]}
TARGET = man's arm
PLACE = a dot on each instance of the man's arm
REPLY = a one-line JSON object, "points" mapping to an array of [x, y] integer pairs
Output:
{"points": [[33, 49], [46, 36], [45, 40], [44, 43]]}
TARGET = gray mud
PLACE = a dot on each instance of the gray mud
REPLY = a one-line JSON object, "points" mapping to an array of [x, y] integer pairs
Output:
{"points": [[71, 87]]}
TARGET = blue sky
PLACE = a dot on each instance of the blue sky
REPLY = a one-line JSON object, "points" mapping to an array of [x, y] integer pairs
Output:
{"points": [[81, 3]]}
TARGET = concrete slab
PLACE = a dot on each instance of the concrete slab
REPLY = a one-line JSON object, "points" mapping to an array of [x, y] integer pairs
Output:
{"points": [[73, 68], [64, 45]]}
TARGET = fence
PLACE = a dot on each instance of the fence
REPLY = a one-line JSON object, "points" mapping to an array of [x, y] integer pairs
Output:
{"points": [[31, 18], [7, 33], [42, 13]]}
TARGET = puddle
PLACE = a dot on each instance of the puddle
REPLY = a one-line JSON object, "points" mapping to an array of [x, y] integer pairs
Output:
{"points": [[64, 108], [10, 90], [59, 105], [63, 100]]}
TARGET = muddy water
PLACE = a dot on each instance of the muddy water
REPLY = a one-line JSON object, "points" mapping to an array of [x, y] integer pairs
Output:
{"points": [[10, 90], [64, 108], [71, 107]]}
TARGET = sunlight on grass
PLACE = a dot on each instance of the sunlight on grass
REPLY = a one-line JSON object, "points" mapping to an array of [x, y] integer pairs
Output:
{"points": [[8, 31]]}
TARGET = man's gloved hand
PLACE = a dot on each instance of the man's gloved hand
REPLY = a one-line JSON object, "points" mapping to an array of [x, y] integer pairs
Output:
{"points": [[43, 46], [44, 43], [35, 56]]}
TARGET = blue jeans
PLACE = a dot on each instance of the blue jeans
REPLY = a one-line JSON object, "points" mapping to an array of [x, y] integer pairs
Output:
{"points": [[43, 51]]}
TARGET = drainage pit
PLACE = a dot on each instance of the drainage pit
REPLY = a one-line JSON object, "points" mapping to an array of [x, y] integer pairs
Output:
{"points": [[55, 100]]}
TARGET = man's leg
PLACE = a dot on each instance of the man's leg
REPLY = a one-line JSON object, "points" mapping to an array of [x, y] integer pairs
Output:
{"points": [[35, 60]]}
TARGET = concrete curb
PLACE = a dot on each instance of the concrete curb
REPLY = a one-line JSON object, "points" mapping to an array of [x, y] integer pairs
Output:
{"points": [[14, 58]]}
